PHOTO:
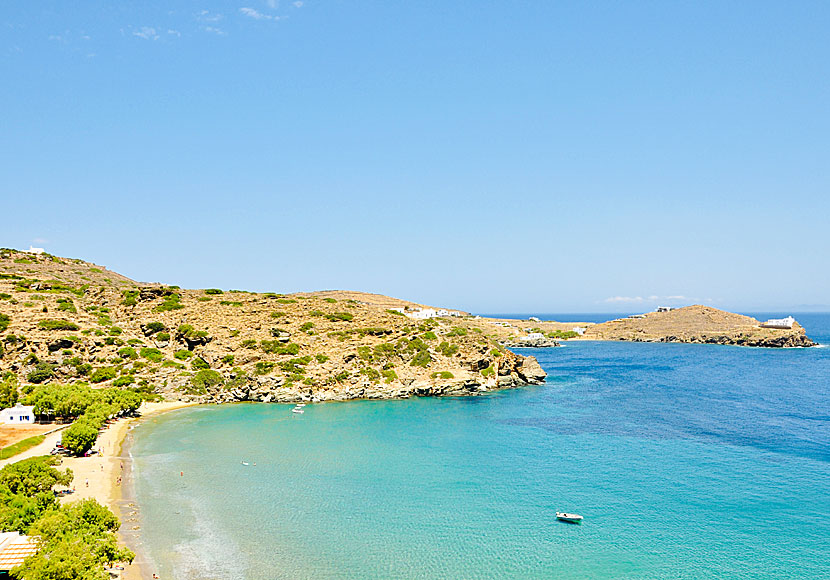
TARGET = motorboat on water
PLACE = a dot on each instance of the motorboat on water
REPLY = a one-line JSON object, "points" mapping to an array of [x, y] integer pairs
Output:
{"points": [[569, 518], [297, 410]]}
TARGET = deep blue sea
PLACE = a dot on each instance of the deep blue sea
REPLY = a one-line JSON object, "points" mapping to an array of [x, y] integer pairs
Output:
{"points": [[687, 461]]}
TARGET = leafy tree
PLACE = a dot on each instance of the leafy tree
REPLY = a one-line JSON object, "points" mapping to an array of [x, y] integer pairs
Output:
{"points": [[4, 322], [8, 390], [79, 437]]}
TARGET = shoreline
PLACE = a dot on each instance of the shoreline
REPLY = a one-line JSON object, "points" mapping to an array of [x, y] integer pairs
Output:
{"points": [[105, 477]]}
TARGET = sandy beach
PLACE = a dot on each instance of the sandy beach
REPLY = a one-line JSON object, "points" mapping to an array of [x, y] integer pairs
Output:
{"points": [[100, 476]]}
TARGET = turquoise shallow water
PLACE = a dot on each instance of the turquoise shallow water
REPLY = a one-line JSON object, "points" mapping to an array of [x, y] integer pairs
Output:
{"points": [[687, 461]]}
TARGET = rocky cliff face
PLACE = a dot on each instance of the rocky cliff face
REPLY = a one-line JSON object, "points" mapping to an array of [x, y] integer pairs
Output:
{"points": [[67, 320], [699, 324]]}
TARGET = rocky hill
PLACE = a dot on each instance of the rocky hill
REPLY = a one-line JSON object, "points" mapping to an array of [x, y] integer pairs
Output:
{"points": [[67, 320], [699, 324]]}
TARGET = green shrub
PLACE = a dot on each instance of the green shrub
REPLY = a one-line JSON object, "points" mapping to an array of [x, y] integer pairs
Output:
{"points": [[204, 379], [199, 364], [127, 352], [187, 331], [277, 314], [66, 305], [338, 316], [123, 381], [429, 335], [488, 372], [249, 343], [389, 375], [152, 354], [263, 367], [130, 297], [53, 324], [341, 376], [227, 359], [458, 331], [4, 296], [171, 302], [396, 312], [203, 298], [115, 331], [214, 291], [163, 336], [5, 320], [153, 327], [42, 372], [306, 327], [371, 373], [286, 301], [183, 354], [421, 359], [171, 364], [321, 358], [495, 353], [447, 349], [443, 375], [230, 303], [103, 374], [329, 300], [276, 347]]}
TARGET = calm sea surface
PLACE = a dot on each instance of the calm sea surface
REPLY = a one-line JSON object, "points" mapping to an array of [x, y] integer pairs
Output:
{"points": [[687, 461]]}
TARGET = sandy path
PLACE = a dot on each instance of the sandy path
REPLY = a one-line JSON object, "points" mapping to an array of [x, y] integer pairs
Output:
{"points": [[42, 448]]}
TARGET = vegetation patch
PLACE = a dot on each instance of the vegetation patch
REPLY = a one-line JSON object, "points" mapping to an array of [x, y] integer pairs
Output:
{"points": [[172, 301], [152, 354], [204, 379], [55, 324], [103, 374], [264, 367], [442, 375], [277, 347]]}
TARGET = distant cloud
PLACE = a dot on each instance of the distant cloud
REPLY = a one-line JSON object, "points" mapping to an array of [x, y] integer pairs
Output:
{"points": [[273, 4], [147, 33], [256, 15], [623, 299], [298, 4], [652, 298], [40, 241], [206, 16], [174, 32], [214, 30]]}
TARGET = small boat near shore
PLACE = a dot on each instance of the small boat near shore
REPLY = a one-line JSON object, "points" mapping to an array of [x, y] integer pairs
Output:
{"points": [[569, 518], [297, 409]]}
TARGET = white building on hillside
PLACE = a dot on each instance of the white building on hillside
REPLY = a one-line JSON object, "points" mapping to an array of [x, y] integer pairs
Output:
{"points": [[779, 322], [18, 415], [34, 250]]}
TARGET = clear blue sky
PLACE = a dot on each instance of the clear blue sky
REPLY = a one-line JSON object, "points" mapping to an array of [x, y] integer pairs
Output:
{"points": [[490, 156]]}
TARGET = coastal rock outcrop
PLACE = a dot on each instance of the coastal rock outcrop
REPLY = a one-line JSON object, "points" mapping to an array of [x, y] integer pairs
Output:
{"points": [[94, 325], [699, 324]]}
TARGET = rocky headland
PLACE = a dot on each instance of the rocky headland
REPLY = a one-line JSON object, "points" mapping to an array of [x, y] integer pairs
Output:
{"points": [[67, 320], [698, 324]]}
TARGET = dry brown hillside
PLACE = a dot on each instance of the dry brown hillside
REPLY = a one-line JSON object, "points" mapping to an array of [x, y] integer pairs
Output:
{"points": [[698, 324], [68, 320]]}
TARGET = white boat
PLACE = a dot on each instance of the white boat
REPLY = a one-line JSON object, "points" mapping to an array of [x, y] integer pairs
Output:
{"points": [[570, 518], [301, 404], [297, 410]]}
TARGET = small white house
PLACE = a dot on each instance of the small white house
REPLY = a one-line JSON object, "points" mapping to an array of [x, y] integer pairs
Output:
{"points": [[18, 415], [579, 330], [532, 336], [664, 309], [34, 250], [779, 322]]}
